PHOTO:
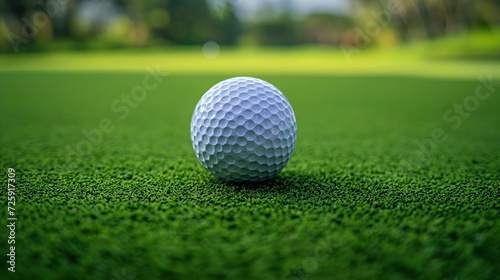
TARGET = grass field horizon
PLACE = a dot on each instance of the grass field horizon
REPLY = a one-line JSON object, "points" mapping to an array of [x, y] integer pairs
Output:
{"points": [[459, 56]]}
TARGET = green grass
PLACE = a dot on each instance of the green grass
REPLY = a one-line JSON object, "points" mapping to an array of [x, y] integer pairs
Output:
{"points": [[355, 201], [421, 60]]}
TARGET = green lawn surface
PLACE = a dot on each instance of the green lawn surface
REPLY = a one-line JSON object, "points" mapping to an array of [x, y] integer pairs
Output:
{"points": [[269, 61], [358, 200]]}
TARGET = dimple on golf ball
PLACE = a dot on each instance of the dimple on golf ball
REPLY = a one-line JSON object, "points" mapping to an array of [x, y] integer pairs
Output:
{"points": [[243, 130]]}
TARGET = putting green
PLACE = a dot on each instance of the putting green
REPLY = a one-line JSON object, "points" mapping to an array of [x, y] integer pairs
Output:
{"points": [[388, 179]]}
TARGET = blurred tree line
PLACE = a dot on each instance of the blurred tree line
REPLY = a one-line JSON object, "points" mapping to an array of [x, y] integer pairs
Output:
{"points": [[410, 20], [382, 22], [32, 24], [86, 24]]}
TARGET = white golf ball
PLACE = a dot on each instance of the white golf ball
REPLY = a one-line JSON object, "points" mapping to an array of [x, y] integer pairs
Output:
{"points": [[243, 130]]}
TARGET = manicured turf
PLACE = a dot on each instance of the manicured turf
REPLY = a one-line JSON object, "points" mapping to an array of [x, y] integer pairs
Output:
{"points": [[358, 200]]}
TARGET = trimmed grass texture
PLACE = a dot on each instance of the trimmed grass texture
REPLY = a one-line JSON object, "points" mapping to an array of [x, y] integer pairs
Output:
{"points": [[358, 200]]}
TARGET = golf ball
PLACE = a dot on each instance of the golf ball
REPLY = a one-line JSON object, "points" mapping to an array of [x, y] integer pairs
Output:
{"points": [[243, 130]]}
